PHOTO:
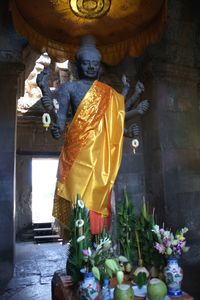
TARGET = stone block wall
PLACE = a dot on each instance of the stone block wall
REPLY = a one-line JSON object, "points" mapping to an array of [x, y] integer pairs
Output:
{"points": [[23, 213], [171, 131], [8, 87]]}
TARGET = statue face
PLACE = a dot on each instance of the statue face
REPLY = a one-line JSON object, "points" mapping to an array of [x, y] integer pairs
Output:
{"points": [[89, 65]]}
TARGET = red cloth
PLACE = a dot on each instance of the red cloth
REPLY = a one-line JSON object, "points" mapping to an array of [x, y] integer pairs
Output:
{"points": [[97, 221]]}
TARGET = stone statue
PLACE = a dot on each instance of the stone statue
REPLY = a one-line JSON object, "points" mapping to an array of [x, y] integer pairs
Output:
{"points": [[91, 154]]}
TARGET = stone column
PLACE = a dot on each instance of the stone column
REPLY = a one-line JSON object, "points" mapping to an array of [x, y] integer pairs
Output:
{"points": [[8, 88], [172, 156], [23, 211], [173, 143]]}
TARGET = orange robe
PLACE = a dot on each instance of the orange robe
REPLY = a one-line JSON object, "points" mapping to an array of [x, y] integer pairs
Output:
{"points": [[91, 155]]}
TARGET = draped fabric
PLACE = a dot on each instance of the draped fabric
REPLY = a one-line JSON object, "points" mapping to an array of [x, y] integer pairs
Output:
{"points": [[126, 27], [91, 154]]}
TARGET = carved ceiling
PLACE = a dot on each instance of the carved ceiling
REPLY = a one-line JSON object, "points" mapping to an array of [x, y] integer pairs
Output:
{"points": [[121, 28]]}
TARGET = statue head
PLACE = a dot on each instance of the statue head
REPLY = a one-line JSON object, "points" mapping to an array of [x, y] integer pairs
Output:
{"points": [[88, 58]]}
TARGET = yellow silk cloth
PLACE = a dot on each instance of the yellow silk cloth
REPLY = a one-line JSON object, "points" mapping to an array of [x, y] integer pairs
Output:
{"points": [[92, 152], [127, 27]]}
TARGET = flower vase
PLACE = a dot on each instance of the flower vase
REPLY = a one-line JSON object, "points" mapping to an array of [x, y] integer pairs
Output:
{"points": [[89, 287], [173, 275]]}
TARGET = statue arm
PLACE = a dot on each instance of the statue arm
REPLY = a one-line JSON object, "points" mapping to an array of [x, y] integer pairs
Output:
{"points": [[63, 98], [139, 89], [126, 86], [140, 109], [132, 131], [43, 83]]}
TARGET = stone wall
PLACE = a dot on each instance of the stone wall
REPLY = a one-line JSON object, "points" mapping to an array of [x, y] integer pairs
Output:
{"points": [[171, 130], [10, 68], [174, 70]]}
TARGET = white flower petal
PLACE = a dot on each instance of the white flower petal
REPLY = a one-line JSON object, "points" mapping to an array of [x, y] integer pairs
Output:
{"points": [[79, 223], [80, 238], [135, 143], [81, 203]]}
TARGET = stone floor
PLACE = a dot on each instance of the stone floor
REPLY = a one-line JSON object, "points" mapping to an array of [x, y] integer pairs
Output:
{"points": [[35, 266]]}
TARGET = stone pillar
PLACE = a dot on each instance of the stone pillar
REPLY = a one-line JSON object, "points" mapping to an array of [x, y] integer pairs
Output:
{"points": [[8, 88], [173, 141], [172, 155], [23, 212]]}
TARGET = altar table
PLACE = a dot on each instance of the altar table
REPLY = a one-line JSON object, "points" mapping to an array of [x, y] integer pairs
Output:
{"points": [[62, 289]]}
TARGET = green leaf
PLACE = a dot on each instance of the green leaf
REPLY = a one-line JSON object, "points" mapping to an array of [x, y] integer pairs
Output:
{"points": [[112, 265], [141, 279], [96, 273]]}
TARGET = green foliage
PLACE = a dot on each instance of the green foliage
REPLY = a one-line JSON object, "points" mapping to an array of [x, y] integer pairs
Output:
{"points": [[145, 236], [126, 220], [102, 260], [80, 239], [135, 234], [102, 253], [141, 279]]}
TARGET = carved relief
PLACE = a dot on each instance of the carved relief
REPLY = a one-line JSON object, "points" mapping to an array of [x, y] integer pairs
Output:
{"points": [[32, 92], [90, 8], [63, 72]]}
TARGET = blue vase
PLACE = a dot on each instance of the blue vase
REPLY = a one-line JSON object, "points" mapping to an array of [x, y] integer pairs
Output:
{"points": [[173, 275], [89, 288]]}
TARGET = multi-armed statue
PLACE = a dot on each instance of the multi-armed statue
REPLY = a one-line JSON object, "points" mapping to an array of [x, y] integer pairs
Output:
{"points": [[91, 154]]}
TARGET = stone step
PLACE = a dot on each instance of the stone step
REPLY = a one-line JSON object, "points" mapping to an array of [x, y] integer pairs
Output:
{"points": [[45, 232], [47, 238], [42, 225], [42, 229]]}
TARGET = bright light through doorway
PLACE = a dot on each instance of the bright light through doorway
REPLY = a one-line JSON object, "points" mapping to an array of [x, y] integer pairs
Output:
{"points": [[43, 186]]}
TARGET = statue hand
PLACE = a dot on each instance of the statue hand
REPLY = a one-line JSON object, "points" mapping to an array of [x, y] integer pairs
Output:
{"points": [[47, 103], [43, 78], [55, 131], [139, 88], [133, 130], [142, 107], [125, 81]]}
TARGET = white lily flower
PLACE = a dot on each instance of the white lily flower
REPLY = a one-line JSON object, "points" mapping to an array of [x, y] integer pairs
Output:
{"points": [[184, 230], [79, 223], [80, 238], [81, 203], [167, 234], [107, 245], [89, 251], [156, 229]]}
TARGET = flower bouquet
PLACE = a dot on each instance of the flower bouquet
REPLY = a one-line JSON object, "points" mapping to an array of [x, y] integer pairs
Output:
{"points": [[172, 246], [102, 262], [168, 243], [90, 263]]}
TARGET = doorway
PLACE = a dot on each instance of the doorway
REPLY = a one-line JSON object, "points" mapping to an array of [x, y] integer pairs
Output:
{"points": [[44, 172]]}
